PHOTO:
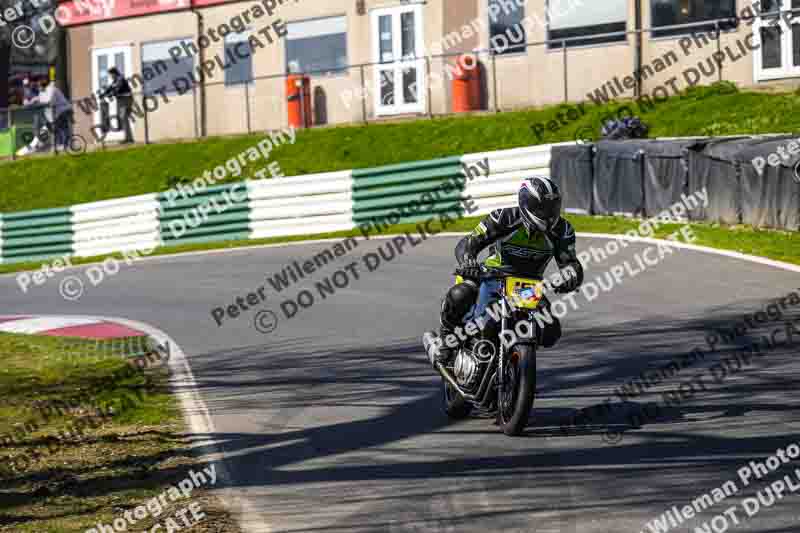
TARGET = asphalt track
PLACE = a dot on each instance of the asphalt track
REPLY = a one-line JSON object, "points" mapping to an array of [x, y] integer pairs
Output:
{"points": [[332, 422]]}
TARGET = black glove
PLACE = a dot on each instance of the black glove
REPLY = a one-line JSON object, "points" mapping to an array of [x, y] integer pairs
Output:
{"points": [[569, 280], [469, 268]]}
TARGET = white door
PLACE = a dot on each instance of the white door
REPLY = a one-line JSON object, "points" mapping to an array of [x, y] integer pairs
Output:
{"points": [[102, 60], [397, 49], [778, 38]]}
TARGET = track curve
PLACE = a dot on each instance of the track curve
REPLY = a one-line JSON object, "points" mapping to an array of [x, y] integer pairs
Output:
{"points": [[331, 422]]}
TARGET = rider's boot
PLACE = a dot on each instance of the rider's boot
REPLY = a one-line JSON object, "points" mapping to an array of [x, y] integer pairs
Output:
{"points": [[435, 347]]}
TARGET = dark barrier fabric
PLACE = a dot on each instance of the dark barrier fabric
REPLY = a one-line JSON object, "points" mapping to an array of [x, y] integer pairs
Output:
{"points": [[647, 176], [618, 177], [737, 191], [712, 166], [665, 174], [572, 168], [770, 194]]}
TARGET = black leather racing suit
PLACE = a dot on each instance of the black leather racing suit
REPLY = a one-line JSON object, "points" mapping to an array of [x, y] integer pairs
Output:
{"points": [[526, 254]]}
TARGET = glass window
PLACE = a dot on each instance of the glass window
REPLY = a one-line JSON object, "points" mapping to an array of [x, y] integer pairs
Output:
{"points": [[506, 33], [593, 18], [163, 72], [238, 49], [408, 34], [317, 46], [770, 47], [102, 71], [768, 6], [386, 39], [672, 12]]}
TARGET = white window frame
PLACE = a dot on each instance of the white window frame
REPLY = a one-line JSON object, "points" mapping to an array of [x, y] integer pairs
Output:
{"points": [[677, 33], [243, 37], [521, 48], [399, 64], [127, 51], [331, 73], [170, 89], [787, 69], [606, 41]]}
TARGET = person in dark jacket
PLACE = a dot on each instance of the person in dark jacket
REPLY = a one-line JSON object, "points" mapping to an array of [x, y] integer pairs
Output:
{"points": [[120, 89]]}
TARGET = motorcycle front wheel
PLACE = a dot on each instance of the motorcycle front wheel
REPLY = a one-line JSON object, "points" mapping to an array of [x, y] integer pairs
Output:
{"points": [[515, 401]]}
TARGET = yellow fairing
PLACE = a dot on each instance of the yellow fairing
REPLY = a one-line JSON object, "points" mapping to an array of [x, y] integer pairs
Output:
{"points": [[524, 293]]}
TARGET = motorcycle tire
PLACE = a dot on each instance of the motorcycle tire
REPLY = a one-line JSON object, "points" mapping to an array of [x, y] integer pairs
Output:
{"points": [[513, 413], [455, 406]]}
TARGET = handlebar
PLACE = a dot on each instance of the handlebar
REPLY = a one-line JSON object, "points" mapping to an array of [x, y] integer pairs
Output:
{"points": [[488, 272]]}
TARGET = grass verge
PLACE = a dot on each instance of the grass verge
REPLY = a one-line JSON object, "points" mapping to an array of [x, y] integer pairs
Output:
{"points": [[63, 181], [85, 436], [772, 244]]}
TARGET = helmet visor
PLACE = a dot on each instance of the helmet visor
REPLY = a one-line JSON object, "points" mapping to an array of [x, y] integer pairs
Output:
{"points": [[549, 211]]}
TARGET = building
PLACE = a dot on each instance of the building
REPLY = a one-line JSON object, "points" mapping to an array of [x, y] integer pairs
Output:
{"points": [[370, 59]]}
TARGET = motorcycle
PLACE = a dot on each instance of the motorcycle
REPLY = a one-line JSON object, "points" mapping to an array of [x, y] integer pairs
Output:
{"points": [[495, 370]]}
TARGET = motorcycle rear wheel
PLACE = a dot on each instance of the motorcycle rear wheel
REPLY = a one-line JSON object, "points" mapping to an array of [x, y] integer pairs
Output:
{"points": [[453, 403], [515, 403]]}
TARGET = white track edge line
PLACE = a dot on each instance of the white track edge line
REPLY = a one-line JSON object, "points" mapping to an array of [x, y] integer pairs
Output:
{"points": [[197, 416]]}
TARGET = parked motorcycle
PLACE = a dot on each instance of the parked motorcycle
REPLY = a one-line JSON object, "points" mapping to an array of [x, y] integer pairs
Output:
{"points": [[496, 369]]}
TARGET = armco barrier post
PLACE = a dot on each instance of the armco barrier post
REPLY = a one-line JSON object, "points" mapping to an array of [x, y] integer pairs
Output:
{"points": [[430, 94], [247, 104], [146, 123], [13, 132], [194, 112], [52, 132], [494, 80], [719, 52], [363, 98], [566, 80]]}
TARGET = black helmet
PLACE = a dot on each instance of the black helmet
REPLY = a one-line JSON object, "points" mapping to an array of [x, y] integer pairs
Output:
{"points": [[539, 204]]}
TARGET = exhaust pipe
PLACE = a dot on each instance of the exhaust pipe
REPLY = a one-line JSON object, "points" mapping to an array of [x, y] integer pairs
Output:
{"points": [[481, 397], [450, 379]]}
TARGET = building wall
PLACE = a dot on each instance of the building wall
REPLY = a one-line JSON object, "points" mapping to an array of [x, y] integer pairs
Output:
{"points": [[338, 98], [177, 118], [539, 76], [536, 77], [458, 14], [79, 40], [689, 51]]}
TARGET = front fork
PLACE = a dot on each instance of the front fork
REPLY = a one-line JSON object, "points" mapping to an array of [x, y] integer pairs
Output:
{"points": [[501, 360]]}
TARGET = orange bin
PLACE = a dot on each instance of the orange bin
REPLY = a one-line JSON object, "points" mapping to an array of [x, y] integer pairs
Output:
{"points": [[466, 85], [298, 97]]}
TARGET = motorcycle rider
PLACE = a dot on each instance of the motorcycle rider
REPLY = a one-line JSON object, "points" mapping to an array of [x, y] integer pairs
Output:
{"points": [[525, 237]]}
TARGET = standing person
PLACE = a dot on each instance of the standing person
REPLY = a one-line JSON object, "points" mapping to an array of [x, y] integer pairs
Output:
{"points": [[58, 112], [121, 90], [30, 94], [30, 97]]}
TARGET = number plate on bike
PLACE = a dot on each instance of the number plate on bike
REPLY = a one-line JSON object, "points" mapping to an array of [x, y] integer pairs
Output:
{"points": [[523, 292]]}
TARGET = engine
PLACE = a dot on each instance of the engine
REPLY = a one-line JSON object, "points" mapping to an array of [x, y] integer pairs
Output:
{"points": [[466, 368], [471, 363]]}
